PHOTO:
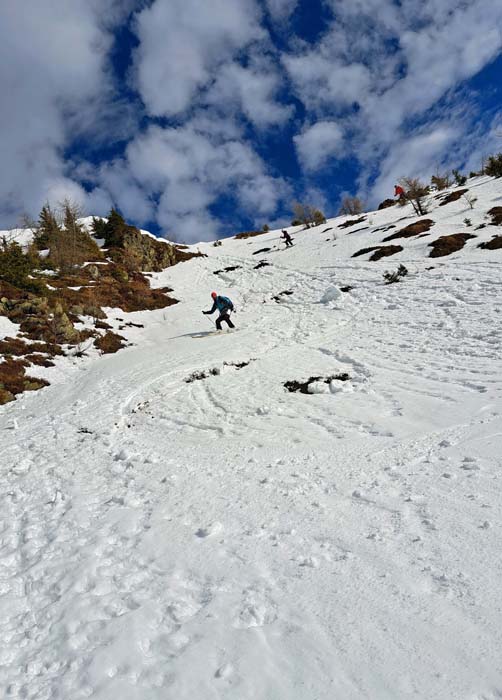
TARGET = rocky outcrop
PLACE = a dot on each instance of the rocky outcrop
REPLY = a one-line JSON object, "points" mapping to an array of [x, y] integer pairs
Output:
{"points": [[139, 251], [386, 204]]}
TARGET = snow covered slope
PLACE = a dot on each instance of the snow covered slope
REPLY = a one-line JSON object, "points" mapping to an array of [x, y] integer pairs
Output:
{"points": [[225, 538]]}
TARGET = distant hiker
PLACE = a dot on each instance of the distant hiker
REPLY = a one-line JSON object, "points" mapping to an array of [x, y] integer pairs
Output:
{"points": [[224, 306], [287, 238], [398, 191]]}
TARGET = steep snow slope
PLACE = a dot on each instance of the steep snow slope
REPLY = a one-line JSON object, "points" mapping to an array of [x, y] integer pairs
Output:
{"points": [[225, 538]]}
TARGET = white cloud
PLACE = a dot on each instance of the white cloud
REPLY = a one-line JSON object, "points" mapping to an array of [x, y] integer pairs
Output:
{"points": [[52, 65], [318, 144], [417, 156], [188, 168], [396, 64], [281, 9], [250, 91], [324, 82], [182, 42]]}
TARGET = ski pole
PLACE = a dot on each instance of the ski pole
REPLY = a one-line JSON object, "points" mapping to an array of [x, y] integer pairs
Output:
{"points": [[209, 320]]}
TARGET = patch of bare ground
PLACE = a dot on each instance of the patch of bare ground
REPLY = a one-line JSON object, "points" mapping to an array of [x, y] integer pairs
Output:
{"points": [[494, 244], [379, 252], [109, 343], [412, 230], [453, 197], [446, 245], [303, 387], [352, 222], [14, 380], [496, 214]]}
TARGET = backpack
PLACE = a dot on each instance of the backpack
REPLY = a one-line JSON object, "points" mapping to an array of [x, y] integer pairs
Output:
{"points": [[227, 303]]}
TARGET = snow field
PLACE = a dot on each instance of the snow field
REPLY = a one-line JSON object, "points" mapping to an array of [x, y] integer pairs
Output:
{"points": [[225, 538]]}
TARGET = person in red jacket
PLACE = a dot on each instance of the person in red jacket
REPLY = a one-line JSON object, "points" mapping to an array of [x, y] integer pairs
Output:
{"points": [[398, 191]]}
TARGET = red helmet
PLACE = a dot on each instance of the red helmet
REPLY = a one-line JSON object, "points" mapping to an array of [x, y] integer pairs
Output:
{"points": [[214, 295]]}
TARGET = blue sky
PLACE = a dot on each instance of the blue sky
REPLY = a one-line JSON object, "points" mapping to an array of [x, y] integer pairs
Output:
{"points": [[200, 118]]}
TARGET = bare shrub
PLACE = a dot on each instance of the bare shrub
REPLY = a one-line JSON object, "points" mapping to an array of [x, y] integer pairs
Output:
{"points": [[470, 200], [307, 215], [416, 193], [351, 206]]}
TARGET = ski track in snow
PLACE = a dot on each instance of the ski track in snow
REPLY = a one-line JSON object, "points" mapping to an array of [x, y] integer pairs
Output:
{"points": [[228, 539]]}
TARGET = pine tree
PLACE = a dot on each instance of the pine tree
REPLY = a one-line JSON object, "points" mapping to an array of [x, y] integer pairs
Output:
{"points": [[114, 231], [48, 228], [15, 266]]}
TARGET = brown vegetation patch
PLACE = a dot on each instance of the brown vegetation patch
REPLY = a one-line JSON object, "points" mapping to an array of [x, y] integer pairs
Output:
{"points": [[102, 325], [352, 222], [14, 380], [496, 214], [129, 291], [446, 245], [379, 251], [109, 343], [412, 230], [494, 244], [453, 197], [17, 347], [39, 360], [303, 387]]}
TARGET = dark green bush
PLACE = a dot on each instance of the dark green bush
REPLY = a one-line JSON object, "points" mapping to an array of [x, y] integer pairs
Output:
{"points": [[16, 266], [494, 166]]}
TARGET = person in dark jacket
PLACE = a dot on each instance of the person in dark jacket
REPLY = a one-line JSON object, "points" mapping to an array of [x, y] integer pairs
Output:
{"points": [[287, 238], [224, 306]]}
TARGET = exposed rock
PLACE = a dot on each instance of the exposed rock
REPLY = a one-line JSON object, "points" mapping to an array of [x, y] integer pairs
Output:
{"points": [[62, 327], [6, 396], [386, 204], [141, 252], [13, 378], [93, 271]]}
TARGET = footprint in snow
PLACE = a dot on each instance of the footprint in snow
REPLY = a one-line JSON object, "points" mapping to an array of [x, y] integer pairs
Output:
{"points": [[224, 671], [210, 530]]}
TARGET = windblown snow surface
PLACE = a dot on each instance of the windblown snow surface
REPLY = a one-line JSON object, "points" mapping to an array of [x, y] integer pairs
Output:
{"points": [[225, 538]]}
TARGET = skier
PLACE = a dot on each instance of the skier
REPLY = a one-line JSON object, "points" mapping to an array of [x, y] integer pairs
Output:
{"points": [[224, 306], [398, 191], [287, 238]]}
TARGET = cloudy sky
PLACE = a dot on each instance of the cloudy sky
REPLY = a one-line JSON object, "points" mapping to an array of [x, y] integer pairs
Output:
{"points": [[199, 118]]}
